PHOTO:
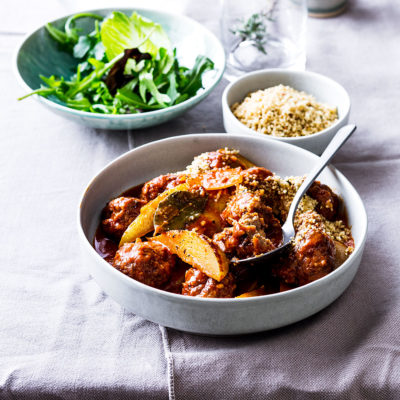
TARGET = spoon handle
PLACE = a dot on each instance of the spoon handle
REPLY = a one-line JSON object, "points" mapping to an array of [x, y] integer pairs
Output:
{"points": [[336, 143]]}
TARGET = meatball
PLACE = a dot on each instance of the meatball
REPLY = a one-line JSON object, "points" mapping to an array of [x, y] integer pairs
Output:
{"points": [[328, 202], [315, 254], [153, 188], [245, 202], [222, 158], [199, 284], [119, 213], [147, 262], [262, 182], [256, 175], [246, 238], [244, 205], [312, 257]]}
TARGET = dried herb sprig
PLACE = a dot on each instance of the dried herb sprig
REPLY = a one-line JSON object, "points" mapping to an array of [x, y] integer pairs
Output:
{"points": [[254, 30]]}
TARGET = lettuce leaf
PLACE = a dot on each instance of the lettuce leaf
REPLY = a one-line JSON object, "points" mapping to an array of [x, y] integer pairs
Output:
{"points": [[120, 32]]}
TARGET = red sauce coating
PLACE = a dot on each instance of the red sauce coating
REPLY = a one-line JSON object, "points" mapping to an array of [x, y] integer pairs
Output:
{"points": [[147, 262], [104, 246], [328, 202], [221, 159], [119, 213], [240, 222], [200, 285], [153, 188]]}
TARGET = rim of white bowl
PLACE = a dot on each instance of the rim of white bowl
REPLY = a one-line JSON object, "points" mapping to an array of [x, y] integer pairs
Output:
{"points": [[50, 103], [271, 71], [178, 297]]}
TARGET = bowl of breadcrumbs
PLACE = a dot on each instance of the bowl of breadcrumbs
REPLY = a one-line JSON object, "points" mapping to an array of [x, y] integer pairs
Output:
{"points": [[299, 107]]}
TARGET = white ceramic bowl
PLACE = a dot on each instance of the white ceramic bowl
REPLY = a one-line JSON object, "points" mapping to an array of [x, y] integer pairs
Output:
{"points": [[324, 89], [214, 316], [40, 55]]}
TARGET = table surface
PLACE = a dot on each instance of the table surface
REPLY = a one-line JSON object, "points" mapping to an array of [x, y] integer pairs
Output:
{"points": [[62, 337]]}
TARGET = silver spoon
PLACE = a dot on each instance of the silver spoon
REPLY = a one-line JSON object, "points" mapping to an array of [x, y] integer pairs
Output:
{"points": [[288, 228]]}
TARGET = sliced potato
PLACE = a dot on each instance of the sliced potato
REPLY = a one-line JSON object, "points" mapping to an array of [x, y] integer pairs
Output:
{"points": [[196, 250], [210, 220], [216, 179], [341, 253], [218, 201], [143, 223], [254, 293], [221, 178]]}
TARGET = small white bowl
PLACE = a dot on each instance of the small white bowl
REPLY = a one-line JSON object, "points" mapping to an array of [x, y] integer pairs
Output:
{"points": [[202, 315], [324, 89]]}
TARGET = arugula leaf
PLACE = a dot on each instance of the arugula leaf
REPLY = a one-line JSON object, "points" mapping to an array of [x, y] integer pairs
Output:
{"points": [[89, 46], [70, 37], [42, 91], [59, 36], [133, 99], [146, 81], [172, 92], [82, 46], [99, 71], [102, 108], [193, 77], [98, 52], [80, 103]]}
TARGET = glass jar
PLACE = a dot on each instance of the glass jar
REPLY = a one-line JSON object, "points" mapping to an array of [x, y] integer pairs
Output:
{"points": [[259, 34]]}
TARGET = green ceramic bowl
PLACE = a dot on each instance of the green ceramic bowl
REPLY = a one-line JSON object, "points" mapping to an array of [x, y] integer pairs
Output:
{"points": [[39, 54]]}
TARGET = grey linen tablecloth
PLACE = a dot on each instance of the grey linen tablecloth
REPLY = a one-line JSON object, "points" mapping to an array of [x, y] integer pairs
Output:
{"points": [[62, 337]]}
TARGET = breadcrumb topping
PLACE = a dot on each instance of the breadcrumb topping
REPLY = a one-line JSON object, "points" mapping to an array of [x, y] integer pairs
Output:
{"points": [[284, 112], [336, 230], [202, 162], [279, 193]]}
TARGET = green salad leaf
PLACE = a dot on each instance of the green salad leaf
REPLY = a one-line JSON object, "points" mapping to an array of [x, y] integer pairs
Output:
{"points": [[70, 35], [120, 32]]}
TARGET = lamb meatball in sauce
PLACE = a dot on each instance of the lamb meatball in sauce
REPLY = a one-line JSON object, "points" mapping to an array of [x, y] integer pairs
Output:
{"points": [[246, 238], [328, 202], [256, 174], [245, 202], [227, 209], [311, 258], [254, 228], [315, 254], [157, 185], [222, 159], [119, 213], [147, 262], [199, 284]]}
